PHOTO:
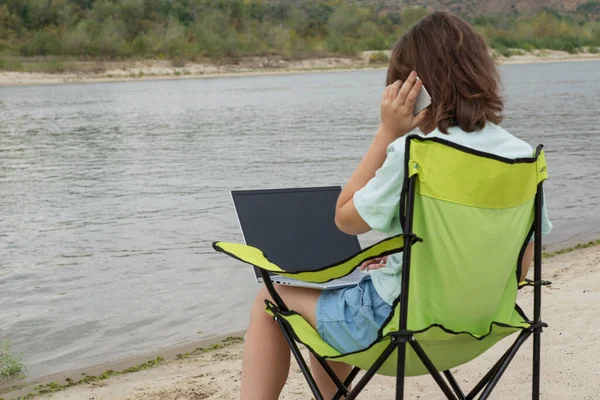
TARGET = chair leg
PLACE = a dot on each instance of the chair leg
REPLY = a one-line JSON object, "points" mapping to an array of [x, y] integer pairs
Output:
{"points": [[351, 377], [347, 383], [536, 365], [454, 384], [432, 370], [502, 367], [400, 371], [301, 363], [485, 380], [341, 387], [371, 371]]}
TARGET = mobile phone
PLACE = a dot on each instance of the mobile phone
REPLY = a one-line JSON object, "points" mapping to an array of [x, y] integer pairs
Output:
{"points": [[423, 100]]}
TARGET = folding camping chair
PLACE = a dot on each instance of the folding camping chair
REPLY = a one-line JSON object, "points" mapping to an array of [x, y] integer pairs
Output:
{"points": [[467, 218]]}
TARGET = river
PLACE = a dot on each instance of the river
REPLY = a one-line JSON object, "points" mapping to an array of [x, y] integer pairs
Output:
{"points": [[111, 193]]}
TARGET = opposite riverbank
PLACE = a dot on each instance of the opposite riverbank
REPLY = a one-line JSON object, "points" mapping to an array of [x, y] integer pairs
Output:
{"points": [[116, 71], [211, 370]]}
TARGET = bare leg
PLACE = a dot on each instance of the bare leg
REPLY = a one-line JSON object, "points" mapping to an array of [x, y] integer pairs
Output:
{"points": [[266, 359]]}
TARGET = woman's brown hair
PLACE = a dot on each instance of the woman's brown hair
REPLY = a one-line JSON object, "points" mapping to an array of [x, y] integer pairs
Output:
{"points": [[453, 62]]}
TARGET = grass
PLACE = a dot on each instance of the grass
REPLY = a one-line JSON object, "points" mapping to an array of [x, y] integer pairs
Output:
{"points": [[570, 43], [52, 387], [570, 249], [52, 65], [11, 365], [11, 64], [55, 386], [506, 52], [201, 350]]}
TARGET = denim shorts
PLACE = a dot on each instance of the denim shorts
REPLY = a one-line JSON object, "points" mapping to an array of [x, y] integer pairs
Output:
{"points": [[348, 319]]}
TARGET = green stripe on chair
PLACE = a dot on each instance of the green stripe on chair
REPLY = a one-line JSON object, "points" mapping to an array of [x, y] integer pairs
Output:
{"points": [[253, 256], [449, 174]]}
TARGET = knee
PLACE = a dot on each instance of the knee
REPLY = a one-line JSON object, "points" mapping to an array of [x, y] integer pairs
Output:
{"points": [[258, 308], [262, 295]]}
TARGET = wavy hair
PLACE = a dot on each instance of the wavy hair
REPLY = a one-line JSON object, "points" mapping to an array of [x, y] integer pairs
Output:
{"points": [[456, 68]]}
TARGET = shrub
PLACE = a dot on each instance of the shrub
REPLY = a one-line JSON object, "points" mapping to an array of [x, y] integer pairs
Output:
{"points": [[54, 66], [178, 62], [11, 366], [378, 57], [10, 64]]}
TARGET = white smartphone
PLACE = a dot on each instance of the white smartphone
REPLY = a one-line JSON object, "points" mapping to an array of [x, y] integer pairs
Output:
{"points": [[423, 100]]}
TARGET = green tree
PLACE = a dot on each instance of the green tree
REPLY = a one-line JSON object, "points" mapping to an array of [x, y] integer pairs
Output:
{"points": [[131, 12], [299, 21], [233, 28]]}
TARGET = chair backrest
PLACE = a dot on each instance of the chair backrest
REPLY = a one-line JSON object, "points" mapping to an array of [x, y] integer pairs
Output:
{"points": [[475, 213]]}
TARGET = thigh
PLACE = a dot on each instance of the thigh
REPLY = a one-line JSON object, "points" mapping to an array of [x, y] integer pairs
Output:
{"points": [[301, 300]]}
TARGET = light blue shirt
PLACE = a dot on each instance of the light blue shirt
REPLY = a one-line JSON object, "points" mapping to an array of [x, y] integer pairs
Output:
{"points": [[378, 202]]}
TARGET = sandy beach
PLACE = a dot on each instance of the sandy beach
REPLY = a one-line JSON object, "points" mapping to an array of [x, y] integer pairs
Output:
{"points": [[570, 358], [116, 71]]}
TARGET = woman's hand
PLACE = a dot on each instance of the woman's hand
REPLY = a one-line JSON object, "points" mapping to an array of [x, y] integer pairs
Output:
{"points": [[373, 264], [397, 107]]}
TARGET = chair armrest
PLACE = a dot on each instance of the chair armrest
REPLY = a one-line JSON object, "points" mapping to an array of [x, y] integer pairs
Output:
{"points": [[253, 256]]}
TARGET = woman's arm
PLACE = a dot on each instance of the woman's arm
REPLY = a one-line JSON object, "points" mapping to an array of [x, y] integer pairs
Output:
{"points": [[347, 219], [397, 119], [526, 261]]}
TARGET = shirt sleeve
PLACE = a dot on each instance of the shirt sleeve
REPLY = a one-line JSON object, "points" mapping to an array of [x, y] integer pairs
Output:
{"points": [[378, 202], [546, 223]]}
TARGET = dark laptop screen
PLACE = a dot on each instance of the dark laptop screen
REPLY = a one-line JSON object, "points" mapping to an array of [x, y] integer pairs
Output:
{"points": [[295, 228]]}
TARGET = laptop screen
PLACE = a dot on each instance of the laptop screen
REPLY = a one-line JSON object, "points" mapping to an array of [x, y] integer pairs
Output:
{"points": [[294, 228]]}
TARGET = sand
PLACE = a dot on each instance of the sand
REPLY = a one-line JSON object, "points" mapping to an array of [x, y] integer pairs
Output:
{"points": [[570, 358], [160, 69]]}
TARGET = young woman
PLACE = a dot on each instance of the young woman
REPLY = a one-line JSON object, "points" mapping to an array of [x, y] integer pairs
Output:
{"points": [[453, 63]]}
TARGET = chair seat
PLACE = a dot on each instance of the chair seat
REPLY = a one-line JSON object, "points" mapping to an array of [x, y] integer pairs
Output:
{"points": [[445, 348]]}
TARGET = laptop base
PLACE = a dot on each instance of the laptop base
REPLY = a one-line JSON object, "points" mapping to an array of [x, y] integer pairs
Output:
{"points": [[347, 281]]}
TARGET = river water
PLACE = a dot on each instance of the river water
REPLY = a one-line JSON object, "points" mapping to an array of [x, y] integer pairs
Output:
{"points": [[111, 193]]}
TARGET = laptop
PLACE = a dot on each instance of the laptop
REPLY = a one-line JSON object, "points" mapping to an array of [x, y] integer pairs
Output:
{"points": [[295, 229]]}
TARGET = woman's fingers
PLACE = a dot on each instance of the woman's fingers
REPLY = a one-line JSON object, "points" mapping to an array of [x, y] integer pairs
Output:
{"points": [[375, 266], [411, 99], [369, 262], [375, 263], [406, 88], [393, 92], [397, 106]]}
